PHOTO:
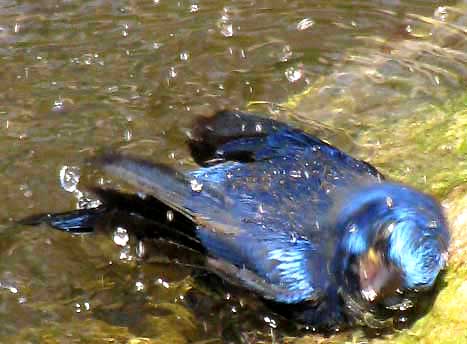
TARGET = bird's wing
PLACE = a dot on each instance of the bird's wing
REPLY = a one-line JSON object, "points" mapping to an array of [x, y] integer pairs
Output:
{"points": [[276, 264], [211, 137], [173, 188], [245, 137], [288, 178]]}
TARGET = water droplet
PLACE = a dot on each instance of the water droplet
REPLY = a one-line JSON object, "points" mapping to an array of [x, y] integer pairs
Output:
{"points": [[127, 135], [184, 55], [369, 294], [170, 215], [125, 254], [389, 202], [140, 249], [58, 105], [139, 286], [305, 24], [121, 236], [295, 174], [26, 190], [227, 30], [258, 128], [112, 89], [286, 54], [163, 283], [196, 186], [260, 208], [293, 238], [225, 26], [441, 13], [69, 177], [172, 72], [293, 74]]}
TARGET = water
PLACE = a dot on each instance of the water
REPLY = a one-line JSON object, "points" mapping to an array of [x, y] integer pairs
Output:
{"points": [[81, 77]]}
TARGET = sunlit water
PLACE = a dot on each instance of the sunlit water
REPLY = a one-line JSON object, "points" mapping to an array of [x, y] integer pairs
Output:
{"points": [[79, 77]]}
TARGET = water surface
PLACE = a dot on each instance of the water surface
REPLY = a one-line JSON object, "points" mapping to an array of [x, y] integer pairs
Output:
{"points": [[79, 77]]}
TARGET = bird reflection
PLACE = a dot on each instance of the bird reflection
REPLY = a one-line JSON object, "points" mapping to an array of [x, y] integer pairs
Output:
{"points": [[287, 216]]}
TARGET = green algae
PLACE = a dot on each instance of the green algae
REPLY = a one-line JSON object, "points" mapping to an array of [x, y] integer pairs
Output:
{"points": [[80, 331], [426, 150]]}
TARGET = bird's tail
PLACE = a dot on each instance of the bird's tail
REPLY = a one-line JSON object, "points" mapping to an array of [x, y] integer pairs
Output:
{"points": [[144, 217]]}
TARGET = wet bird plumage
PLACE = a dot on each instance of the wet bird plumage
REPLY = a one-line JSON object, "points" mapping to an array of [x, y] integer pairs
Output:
{"points": [[295, 220]]}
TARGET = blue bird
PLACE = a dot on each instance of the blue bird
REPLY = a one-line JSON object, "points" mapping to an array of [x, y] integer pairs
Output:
{"points": [[289, 217]]}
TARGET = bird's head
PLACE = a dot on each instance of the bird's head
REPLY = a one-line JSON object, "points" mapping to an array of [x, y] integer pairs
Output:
{"points": [[393, 245]]}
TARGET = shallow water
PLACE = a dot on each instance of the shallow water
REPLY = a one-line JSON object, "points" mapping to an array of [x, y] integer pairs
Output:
{"points": [[79, 77]]}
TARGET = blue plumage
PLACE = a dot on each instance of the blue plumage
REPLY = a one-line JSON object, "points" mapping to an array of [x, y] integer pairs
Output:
{"points": [[298, 221]]}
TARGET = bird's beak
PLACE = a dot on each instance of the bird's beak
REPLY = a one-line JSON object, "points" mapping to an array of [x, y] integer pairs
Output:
{"points": [[377, 277]]}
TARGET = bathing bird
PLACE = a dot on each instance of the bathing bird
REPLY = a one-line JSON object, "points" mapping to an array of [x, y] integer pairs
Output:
{"points": [[288, 217]]}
